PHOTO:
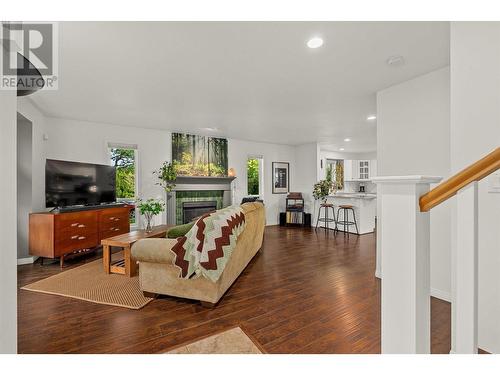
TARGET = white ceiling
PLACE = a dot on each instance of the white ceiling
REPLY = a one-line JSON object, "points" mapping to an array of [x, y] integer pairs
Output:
{"points": [[250, 80]]}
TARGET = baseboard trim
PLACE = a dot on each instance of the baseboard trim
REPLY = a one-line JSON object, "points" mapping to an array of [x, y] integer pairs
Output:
{"points": [[439, 294], [28, 260], [436, 293]]}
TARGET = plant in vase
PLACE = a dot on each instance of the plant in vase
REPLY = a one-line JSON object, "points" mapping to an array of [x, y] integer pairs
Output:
{"points": [[149, 209], [321, 189], [167, 175]]}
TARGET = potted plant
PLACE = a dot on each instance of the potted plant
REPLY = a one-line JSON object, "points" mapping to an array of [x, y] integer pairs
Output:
{"points": [[321, 189], [167, 175], [149, 209]]}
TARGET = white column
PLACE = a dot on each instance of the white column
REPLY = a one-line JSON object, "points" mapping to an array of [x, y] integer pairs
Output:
{"points": [[464, 303], [8, 222], [405, 264]]}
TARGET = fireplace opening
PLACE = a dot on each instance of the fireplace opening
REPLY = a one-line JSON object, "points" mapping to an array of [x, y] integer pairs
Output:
{"points": [[192, 210]]}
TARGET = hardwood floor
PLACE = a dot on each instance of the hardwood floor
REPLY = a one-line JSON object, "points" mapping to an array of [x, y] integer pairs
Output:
{"points": [[306, 292]]}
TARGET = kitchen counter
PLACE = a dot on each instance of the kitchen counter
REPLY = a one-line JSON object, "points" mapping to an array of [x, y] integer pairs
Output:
{"points": [[365, 208], [354, 195]]}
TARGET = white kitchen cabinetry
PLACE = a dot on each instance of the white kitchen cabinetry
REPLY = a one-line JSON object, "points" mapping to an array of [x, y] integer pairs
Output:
{"points": [[363, 169], [359, 170], [348, 169]]}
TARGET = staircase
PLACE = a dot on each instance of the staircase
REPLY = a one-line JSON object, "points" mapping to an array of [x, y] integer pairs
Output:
{"points": [[405, 257]]}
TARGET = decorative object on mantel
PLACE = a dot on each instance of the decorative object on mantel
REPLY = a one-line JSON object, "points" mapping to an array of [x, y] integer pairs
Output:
{"points": [[322, 189], [149, 209], [281, 177], [167, 175], [231, 172]]}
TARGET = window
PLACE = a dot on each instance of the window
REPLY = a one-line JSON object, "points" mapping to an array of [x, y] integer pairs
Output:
{"points": [[197, 155], [124, 159], [255, 185], [335, 172]]}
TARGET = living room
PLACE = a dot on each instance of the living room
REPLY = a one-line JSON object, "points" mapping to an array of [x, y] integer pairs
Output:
{"points": [[232, 192]]}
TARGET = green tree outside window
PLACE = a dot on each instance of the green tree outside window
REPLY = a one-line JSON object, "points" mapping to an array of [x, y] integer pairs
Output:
{"points": [[124, 162], [253, 176]]}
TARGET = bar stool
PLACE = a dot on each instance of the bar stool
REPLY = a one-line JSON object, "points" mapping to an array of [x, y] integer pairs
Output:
{"points": [[345, 208], [325, 219]]}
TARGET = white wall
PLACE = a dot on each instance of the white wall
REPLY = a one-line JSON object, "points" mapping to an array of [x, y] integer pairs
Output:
{"points": [[238, 153], [8, 223], [88, 142], [306, 159], [475, 131], [413, 137]]}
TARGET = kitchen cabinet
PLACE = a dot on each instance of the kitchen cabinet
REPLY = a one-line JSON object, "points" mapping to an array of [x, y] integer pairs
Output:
{"points": [[359, 170], [348, 169], [363, 169]]}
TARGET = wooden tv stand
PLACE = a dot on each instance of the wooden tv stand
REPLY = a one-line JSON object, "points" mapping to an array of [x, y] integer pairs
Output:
{"points": [[63, 234]]}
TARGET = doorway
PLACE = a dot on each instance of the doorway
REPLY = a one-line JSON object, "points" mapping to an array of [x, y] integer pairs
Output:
{"points": [[24, 186]]}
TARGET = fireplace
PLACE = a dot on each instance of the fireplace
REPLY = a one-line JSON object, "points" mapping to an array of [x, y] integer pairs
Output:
{"points": [[206, 193], [192, 210]]}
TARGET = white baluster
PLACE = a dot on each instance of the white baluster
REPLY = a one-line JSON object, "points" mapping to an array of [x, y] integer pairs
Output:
{"points": [[464, 303], [405, 264]]}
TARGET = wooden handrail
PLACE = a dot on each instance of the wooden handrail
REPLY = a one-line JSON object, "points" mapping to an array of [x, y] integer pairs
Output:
{"points": [[475, 172]]}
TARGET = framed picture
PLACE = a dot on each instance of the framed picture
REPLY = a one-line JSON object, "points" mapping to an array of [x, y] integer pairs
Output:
{"points": [[281, 177]]}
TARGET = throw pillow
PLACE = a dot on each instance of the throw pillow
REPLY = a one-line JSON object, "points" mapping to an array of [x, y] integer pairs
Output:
{"points": [[180, 230]]}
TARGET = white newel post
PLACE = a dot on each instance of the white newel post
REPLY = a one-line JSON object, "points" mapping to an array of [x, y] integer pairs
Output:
{"points": [[464, 303], [405, 264]]}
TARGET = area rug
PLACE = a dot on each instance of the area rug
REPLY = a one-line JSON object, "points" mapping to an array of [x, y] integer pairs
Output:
{"points": [[90, 283], [233, 341]]}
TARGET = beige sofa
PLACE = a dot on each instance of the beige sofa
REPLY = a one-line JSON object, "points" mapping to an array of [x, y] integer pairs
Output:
{"points": [[157, 274]]}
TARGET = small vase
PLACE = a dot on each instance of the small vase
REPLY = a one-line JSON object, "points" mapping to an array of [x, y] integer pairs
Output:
{"points": [[149, 220]]}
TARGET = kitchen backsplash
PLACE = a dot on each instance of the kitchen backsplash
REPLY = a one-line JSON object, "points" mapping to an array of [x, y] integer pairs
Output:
{"points": [[353, 187]]}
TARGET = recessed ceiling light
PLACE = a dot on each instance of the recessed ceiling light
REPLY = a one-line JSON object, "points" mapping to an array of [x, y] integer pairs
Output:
{"points": [[396, 60], [210, 129], [371, 118], [342, 149], [315, 42], [347, 139]]}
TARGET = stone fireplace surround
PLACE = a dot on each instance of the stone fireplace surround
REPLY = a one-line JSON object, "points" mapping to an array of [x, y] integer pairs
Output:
{"points": [[217, 185]]}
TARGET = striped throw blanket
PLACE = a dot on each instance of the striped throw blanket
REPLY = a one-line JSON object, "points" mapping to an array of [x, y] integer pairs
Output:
{"points": [[207, 247]]}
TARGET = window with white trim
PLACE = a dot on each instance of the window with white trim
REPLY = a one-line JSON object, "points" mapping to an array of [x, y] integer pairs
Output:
{"points": [[124, 158], [255, 176]]}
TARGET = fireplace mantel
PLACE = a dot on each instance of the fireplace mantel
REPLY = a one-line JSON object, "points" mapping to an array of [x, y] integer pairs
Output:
{"points": [[203, 183], [198, 183]]}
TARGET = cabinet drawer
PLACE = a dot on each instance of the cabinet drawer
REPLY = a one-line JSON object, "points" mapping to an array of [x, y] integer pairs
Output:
{"points": [[114, 217], [114, 223], [114, 232], [76, 220], [67, 243], [79, 230]]}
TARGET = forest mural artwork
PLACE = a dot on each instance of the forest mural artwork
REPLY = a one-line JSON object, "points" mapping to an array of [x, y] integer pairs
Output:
{"points": [[196, 155]]}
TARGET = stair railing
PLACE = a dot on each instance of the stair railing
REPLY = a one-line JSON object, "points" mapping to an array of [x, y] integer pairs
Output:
{"points": [[405, 256]]}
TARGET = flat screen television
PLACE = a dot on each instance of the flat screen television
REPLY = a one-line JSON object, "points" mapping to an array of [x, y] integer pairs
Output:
{"points": [[69, 183]]}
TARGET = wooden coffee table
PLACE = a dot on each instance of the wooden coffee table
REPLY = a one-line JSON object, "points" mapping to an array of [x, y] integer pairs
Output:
{"points": [[125, 266]]}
